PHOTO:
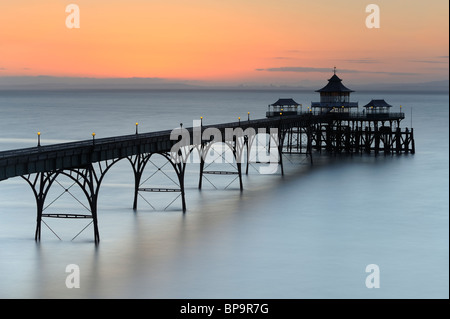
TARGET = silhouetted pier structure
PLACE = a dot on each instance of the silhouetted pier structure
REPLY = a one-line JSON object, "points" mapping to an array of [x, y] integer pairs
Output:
{"points": [[327, 128], [341, 127]]}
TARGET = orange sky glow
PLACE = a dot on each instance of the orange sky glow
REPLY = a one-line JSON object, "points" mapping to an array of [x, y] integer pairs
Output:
{"points": [[245, 41]]}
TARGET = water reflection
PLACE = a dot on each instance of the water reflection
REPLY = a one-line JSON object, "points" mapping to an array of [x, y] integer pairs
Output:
{"points": [[308, 234]]}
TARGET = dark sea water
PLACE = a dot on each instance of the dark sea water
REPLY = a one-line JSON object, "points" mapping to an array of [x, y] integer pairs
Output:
{"points": [[308, 234]]}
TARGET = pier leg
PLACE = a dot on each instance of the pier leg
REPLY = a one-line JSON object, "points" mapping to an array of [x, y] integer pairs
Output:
{"points": [[238, 152], [398, 140], [280, 142], [318, 139], [89, 180], [368, 140], [86, 178], [347, 140], [309, 143], [178, 162], [138, 163], [40, 199], [239, 168], [407, 141], [358, 140], [94, 186], [248, 154], [329, 143], [40, 186], [377, 140], [202, 166], [180, 169]]}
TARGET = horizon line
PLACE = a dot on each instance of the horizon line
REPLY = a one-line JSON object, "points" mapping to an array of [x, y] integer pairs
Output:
{"points": [[38, 82]]}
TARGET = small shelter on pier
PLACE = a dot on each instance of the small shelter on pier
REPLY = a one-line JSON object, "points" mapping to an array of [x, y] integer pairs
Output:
{"points": [[284, 106], [334, 97], [377, 107]]}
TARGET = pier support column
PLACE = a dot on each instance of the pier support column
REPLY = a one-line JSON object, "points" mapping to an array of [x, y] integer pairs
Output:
{"points": [[358, 134], [237, 147], [178, 162], [413, 144], [238, 152], [408, 140], [89, 180], [309, 133], [40, 185], [368, 139], [398, 140], [318, 133], [248, 149], [179, 165], [348, 138], [280, 141], [377, 139], [86, 178], [138, 163], [329, 138], [202, 165]]}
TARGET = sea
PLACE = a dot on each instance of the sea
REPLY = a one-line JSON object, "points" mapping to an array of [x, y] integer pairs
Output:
{"points": [[344, 227]]}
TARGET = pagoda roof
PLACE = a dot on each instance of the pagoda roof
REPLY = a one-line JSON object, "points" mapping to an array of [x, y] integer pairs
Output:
{"points": [[378, 103], [285, 102], [335, 85]]}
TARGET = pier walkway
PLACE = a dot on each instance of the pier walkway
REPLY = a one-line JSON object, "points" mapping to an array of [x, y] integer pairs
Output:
{"points": [[87, 162]]}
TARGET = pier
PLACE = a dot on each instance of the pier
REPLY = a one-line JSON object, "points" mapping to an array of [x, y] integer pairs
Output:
{"points": [[330, 126]]}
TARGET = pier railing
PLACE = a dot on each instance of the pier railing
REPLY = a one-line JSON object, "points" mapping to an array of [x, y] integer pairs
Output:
{"points": [[338, 115]]}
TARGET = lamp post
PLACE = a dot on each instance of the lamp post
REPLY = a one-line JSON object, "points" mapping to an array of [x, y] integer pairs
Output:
{"points": [[137, 124], [39, 138], [201, 120], [239, 119], [93, 138], [248, 116]]}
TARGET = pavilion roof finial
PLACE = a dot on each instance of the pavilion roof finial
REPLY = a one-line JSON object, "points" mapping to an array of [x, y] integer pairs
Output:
{"points": [[334, 70]]}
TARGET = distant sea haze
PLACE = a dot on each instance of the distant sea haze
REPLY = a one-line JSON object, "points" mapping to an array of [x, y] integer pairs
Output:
{"points": [[70, 83]]}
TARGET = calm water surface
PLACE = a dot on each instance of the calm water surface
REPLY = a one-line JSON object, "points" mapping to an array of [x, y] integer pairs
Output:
{"points": [[309, 234]]}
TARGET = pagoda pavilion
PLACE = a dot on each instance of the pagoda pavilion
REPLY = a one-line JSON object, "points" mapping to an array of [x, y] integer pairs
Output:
{"points": [[283, 106], [334, 97], [377, 107]]}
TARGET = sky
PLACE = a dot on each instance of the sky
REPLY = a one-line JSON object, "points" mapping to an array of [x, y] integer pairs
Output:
{"points": [[279, 42]]}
